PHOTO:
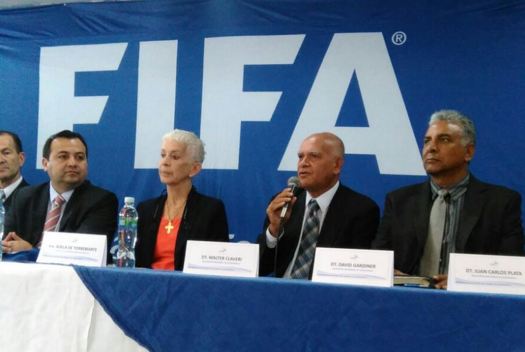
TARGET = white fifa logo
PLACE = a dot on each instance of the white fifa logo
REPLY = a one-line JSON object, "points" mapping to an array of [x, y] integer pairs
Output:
{"points": [[389, 135]]}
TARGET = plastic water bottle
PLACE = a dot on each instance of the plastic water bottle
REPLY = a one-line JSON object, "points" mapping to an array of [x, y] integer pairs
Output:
{"points": [[2, 218], [127, 234], [113, 250]]}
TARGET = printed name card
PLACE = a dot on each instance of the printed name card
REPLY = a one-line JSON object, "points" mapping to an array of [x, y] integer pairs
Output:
{"points": [[73, 248], [354, 266], [486, 273], [222, 259]]}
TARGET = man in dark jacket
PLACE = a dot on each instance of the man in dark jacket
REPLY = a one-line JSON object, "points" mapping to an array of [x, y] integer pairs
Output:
{"points": [[452, 212]]}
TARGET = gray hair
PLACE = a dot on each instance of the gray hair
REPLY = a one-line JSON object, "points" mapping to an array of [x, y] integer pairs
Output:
{"points": [[193, 143], [458, 119]]}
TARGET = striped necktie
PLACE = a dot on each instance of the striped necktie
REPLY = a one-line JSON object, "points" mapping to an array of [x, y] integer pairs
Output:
{"points": [[53, 215], [2, 196], [305, 256]]}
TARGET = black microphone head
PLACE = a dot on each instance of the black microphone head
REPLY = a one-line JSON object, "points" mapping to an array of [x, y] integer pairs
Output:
{"points": [[294, 182]]}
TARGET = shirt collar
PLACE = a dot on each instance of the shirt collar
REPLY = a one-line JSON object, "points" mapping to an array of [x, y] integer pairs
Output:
{"points": [[11, 188], [324, 199], [53, 194], [455, 191]]}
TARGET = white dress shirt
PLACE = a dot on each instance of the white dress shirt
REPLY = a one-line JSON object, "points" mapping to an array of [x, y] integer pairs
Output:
{"points": [[323, 201]]}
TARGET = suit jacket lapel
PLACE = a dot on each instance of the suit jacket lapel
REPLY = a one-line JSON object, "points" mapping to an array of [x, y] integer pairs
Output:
{"points": [[329, 231], [421, 214], [188, 215], [38, 219], [149, 239], [72, 206], [292, 229], [8, 201], [472, 206], [153, 227]]}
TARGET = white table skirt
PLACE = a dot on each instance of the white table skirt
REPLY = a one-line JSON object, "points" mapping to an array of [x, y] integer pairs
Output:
{"points": [[48, 308]]}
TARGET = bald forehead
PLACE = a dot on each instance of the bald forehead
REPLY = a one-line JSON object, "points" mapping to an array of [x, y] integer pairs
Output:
{"points": [[328, 141]]}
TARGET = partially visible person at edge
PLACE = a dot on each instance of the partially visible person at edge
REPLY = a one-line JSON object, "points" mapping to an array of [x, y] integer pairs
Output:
{"points": [[12, 158]]}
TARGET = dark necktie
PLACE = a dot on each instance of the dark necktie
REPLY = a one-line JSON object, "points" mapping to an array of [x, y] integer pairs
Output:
{"points": [[305, 256]]}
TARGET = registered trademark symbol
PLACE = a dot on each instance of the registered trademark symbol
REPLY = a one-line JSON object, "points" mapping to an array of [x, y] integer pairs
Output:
{"points": [[399, 38]]}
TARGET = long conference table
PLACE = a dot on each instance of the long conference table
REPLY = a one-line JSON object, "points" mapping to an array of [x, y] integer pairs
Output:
{"points": [[65, 308]]}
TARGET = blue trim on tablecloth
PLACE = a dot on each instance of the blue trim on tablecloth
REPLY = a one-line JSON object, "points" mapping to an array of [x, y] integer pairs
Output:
{"points": [[22, 257], [170, 311]]}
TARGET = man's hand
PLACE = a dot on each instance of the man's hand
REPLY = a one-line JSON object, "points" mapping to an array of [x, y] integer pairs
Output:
{"points": [[14, 243], [399, 273], [274, 209], [441, 281]]}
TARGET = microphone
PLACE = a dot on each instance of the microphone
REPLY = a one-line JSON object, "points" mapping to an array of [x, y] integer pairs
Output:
{"points": [[293, 183]]}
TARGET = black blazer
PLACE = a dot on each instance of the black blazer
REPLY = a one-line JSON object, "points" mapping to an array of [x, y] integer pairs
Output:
{"points": [[490, 223], [204, 219], [9, 200], [90, 210], [350, 222]]}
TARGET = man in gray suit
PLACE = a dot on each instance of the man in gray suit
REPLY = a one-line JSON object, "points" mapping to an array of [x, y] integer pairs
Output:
{"points": [[452, 212]]}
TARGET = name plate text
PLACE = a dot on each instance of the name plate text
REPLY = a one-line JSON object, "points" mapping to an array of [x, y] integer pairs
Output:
{"points": [[354, 266], [222, 259], [486, 273], [73, 248]]}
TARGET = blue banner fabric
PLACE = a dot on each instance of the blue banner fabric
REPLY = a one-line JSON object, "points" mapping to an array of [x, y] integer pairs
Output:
{"points": [[253, 78]]}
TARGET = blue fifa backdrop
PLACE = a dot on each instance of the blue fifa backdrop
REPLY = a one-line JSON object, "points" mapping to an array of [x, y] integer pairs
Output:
{"points": [[253, 78]]}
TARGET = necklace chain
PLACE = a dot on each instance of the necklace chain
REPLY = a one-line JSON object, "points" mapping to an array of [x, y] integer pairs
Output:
{"points": [[177, 208], [170, 226]]}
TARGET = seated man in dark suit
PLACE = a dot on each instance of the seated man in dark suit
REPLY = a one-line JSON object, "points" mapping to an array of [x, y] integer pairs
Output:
{"points": [[12, 158], [68, 203], [326, 214], [452, 212]]}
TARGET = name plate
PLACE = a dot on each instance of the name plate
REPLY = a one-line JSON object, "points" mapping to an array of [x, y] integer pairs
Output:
{"points": [[222, 259], [354, 267], [486, 273], [73, 248]]}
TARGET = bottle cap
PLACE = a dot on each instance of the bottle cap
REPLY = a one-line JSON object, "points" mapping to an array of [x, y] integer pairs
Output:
{"points": [[129, 200]]}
